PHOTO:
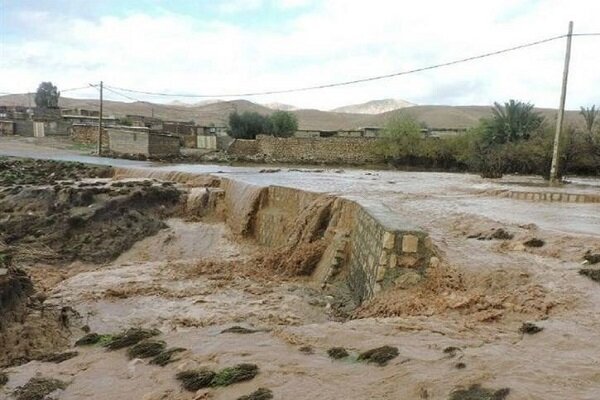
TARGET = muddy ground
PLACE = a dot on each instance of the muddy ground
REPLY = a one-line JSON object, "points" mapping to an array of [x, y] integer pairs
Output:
{"points": [[501, 320]]}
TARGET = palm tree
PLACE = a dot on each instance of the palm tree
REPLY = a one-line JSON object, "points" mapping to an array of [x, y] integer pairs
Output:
{"points": [[512, 122], [590, 114]]}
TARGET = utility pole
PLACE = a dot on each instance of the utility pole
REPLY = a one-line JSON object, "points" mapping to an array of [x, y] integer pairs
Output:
{"points": [[100, 123], [561, 110]]}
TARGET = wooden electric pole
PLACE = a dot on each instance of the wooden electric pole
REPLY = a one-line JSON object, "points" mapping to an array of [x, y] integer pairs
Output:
{"points": [[100, 124], [561, 110]]}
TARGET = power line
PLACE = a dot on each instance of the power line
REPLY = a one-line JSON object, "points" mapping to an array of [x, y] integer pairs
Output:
{"points": [[345, 83]]}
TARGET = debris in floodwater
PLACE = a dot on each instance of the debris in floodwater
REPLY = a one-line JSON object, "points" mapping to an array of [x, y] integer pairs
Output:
{"points": [[130, 337], [238, 373], [530, 328], [269, 170], [238, 329], [591, 258], [337, 353], [501, 234], [379, 355], [38, 388], [146, 348], [166, 356], [592, 273], [534, 242], [3, 379], [460, 365], [476, 392], [259, 394], [451, 350], [306, 350], [58, 357], [194, 380]]}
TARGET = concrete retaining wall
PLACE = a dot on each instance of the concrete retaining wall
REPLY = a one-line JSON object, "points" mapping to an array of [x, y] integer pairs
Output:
{"points": [[368, 247], [563, 197]]}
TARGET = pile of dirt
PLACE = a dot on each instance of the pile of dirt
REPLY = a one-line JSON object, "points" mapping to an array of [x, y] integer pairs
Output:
{"points": [[28, 329], [89, 221], [484, 297], [46, 172]]}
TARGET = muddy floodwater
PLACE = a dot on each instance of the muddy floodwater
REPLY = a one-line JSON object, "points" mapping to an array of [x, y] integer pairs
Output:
{"points": [[510, 262]]}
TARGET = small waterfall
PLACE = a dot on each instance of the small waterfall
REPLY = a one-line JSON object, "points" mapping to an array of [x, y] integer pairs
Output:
{"points": [[242, 201]]}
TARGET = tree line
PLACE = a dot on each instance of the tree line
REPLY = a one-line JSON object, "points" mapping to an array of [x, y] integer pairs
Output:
{"points": [[515, 139], [248, 124]]}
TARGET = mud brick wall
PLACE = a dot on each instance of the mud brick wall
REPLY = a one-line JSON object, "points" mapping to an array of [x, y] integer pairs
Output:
{"points": [[88, 134], [346, 150]]}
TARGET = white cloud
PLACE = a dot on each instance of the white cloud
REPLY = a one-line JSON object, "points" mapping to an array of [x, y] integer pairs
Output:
{"points": [[333, 41]]}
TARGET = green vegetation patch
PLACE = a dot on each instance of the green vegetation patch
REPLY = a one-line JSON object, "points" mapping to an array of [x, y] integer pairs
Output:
{"points": [[380, 355], [38, 388], [259, 394], [476, 392], [337, 353], [165, 357], [129, 338], [94, 338], [194, 380], [238, 373], [146, 348]]}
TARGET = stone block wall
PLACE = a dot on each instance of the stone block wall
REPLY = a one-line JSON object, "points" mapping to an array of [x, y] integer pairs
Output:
{"points": [[88, 134], [243, 148], [142, 142], [163, 145], [331, 150], [128, 142]]}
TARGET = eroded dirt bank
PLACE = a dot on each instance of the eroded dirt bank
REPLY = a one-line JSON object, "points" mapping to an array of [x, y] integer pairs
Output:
{"points": [[201, 275]]}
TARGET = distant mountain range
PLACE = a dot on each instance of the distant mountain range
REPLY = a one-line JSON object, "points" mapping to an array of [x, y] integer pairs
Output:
{"points": [[217, 112], [374, 106]]}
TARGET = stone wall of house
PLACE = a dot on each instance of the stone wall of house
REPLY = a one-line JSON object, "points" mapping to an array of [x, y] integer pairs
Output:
{"points": [[331, 150]]}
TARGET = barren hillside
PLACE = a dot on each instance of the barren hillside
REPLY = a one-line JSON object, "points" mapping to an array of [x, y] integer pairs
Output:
{"points": [[457, 117]]}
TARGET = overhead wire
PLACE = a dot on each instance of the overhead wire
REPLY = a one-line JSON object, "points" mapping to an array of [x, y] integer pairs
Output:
{"points": [[350, 82]]}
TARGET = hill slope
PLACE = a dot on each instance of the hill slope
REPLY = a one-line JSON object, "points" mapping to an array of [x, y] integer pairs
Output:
{"points": [[374, 106], [454, 117]]}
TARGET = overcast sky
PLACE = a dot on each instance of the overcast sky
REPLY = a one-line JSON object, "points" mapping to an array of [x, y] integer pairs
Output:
{"points": [[213, 47]]}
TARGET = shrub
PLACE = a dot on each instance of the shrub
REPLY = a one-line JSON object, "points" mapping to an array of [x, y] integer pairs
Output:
{"points": [[284, 123], [248, 124]]}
